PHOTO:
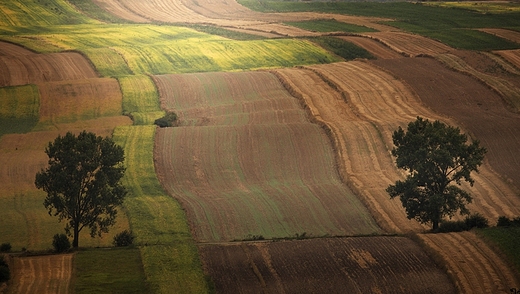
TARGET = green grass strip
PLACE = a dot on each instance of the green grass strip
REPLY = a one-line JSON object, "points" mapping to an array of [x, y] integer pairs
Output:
{"points": [[342, 48], [169, 254], [107, 62], [19, 109], [115, 270], [140, 99]]}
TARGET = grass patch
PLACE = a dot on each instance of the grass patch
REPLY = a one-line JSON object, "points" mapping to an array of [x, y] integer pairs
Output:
{"points": [[342, 48], [107, 62], [329, 25], [109, 271], [19, 109], [507, 239], [472, 40], [39, 13], [140, 99], [169, 254]]}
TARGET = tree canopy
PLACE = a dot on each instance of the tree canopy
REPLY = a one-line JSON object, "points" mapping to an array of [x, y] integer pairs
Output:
{"points": [[435, 156], [82, 182]]}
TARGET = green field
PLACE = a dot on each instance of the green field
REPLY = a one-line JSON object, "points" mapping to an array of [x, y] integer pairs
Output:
{"points": [[140, 99], [168, 252], [115, 270], [18, 109], [428, 20]]}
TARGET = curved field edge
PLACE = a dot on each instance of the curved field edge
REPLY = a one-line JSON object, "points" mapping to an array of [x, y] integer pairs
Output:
{"points": [[170, 258], [381, 264], [475, 267]]}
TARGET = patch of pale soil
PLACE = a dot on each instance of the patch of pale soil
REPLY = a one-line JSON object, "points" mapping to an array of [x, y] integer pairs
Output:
{"points": [[475, 267], [409, 44], [117, 8], [49, 274], [512, 56], [378, 49], [503, 33]]}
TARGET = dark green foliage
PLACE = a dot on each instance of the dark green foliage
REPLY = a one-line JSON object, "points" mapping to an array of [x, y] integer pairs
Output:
{"points": [[82, 182], [507, 240], [435, 156], [504, 221], [61, 243], [254, 238], [169, 120], [5, 273], [125, 238], [471, 221], [476, 220], [342, 48], [5, 247]]}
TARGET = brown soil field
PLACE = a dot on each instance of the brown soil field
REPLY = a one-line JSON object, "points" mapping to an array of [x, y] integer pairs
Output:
{"points": [[476, 108], [24, 67], [118, 9], [408, 44], [503, 33], [513, 56], [339, 265], [68, 101], [477, 268], [252, 163], [50, 274]]}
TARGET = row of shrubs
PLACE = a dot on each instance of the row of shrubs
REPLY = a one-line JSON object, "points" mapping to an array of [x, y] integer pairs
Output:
{"points": [[61, 243], [476, 221]]}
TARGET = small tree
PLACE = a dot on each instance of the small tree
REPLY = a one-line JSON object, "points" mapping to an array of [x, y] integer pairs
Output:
{"points": [[169, 120], [125, 238], [61, 243], [5, 247], [435, 156], [82, 182]]}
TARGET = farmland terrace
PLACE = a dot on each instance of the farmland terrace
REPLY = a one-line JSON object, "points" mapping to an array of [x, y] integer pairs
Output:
{"points": [[273, 179]]}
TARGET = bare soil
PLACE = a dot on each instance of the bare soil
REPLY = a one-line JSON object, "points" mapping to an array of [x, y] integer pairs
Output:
{"points": [[339, 265]]}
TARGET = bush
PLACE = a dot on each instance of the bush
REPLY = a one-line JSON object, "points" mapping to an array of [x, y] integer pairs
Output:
{"points": [[476, 220], [5, 247], [169, 120], [504, 221], [5, 273], [125, 238], [61, 243], [452, 226]]}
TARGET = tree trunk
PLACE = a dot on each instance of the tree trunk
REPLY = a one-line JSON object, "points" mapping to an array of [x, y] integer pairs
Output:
{"points": [[75, 242], [435, 225]]}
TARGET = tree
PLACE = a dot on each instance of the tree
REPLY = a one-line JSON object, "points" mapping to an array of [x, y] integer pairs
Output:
{"points": [[435, 156], [82, 182]]}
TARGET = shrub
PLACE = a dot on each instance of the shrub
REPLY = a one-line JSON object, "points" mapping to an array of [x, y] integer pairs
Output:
{"points": [[452, 226], [169, 120], [5, 273], [5, 247], [504, 221], [61, 243], [125, 238], [476, 220]]}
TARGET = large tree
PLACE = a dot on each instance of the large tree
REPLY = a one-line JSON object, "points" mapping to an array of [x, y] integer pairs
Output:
{"points": [[435, 156], [82, 182]]}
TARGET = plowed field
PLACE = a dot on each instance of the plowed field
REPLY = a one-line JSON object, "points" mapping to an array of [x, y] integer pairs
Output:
{"points": [[477, 109], [376, 104], [476, 267], [42, 274], [20, 66], [341, 265], [408, 44], [274, 178], [512, 56]]}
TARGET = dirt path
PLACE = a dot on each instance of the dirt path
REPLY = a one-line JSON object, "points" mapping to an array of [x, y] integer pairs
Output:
{"points": [[42, 274], [476, 268]]}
